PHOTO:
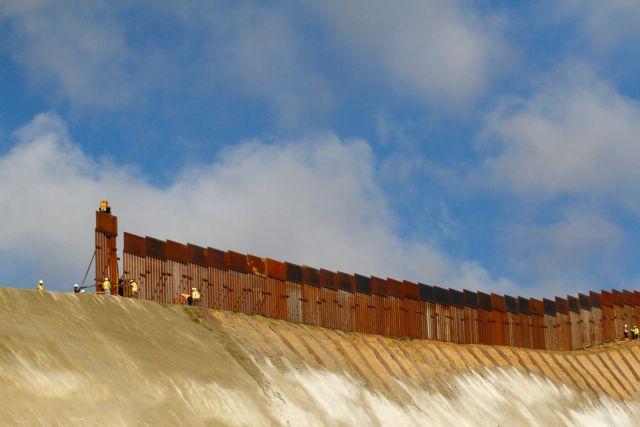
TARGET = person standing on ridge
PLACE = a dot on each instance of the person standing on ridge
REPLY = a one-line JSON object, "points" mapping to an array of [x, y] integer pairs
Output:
{"points": [[106, 286], [195, 297], [40, 286], [134, 288]]}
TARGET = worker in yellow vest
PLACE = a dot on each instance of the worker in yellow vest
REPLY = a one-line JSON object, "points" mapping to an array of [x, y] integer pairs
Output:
{"points": [[106, 286], [104, 206], [40, 286], [134, 288], [195, 296]]}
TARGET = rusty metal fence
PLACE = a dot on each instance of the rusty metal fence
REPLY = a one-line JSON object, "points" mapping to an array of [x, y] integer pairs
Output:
{"points": [[167, 270]]}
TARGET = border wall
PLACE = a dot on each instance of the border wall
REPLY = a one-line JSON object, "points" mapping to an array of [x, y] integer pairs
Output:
{"points": [[353, 302]]}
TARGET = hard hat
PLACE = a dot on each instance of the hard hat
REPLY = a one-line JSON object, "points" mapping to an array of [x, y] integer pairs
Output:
{"points": [[75, 286], [106, 278], [40, 281], [193, 289]]}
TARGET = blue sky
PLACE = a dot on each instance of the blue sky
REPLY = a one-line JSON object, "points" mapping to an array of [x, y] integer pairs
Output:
{"points": [[467, 144]]}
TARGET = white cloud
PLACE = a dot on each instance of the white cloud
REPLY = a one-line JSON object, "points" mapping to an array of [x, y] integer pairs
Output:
{"points": [[605, 23], [575, 136], [103, 54], [110, 54], [438, 50], [573, 252], [77, 50], [312, 201], [570, 153]]}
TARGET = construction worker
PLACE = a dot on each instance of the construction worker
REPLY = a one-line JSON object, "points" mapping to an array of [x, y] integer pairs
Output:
{"points": [[106, 286], [40, 285], [195, 297], [78, 289], [104, 206], [134, 288], [635, 332]]}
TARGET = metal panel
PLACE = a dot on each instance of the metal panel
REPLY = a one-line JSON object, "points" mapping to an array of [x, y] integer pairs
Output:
{"points": [[380, 307], [215, 258], [440, 295], [256, 265], [329, 298], [363, 308], [618, 313], [394, 287], [470, 320], [363, 284], [175, 251], [311, 276], [236, 261], [562, 305], [411, 291], [426, 293], [608, 318], [617, 297], [311, 303], [345, 282], [282, 308], [379, 286], [328, 279], [584, 302], [511, 304], [470, 299], [606, 298], [484, 301], [628, 311], [595, 300], [293, 272], [275, 269], [456, 298], [596, 325], [549, 307], [536, 311], [586, 321], [218, 280], [197, 255], [573, 304], [135, 245], [498, 302], [536, 307], [155, 248], [294, 300], [106, 223], [346, 308], [499, 325]]}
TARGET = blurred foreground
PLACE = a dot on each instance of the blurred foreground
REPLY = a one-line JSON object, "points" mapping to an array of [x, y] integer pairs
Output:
{"points": [[85, 359]]}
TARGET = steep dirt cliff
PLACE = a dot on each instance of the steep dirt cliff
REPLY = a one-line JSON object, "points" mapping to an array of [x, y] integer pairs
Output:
{"points": [[85, 359]]}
